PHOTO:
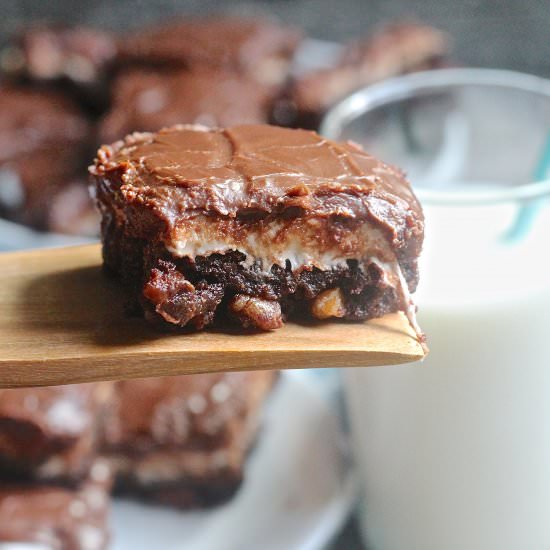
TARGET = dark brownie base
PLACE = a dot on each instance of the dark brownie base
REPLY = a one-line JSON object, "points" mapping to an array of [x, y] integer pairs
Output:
{"points": [[210, 290], [218, 278]]}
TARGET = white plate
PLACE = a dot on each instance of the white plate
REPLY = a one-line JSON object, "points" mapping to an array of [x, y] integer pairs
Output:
{"points": [[297, 494]]}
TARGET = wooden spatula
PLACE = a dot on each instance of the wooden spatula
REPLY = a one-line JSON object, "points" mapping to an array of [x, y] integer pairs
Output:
{"points": [[62, 321]]}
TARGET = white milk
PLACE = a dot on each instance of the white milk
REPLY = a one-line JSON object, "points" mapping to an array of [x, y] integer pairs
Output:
{"points": [[455, 452]]}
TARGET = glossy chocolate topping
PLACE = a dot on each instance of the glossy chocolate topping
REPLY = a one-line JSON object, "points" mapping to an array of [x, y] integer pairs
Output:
{"points": [[261, 170]]}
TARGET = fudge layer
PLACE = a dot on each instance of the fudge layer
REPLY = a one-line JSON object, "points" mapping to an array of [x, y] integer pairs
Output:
{"points": [[392, 50], [44, 139], [146, 100], [258, 48], [46, 517], [183, 441], [256, 223], [51, 433]]}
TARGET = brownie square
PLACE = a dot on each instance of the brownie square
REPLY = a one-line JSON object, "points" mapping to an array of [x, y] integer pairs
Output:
{"points": [[394, 49], [258, 48], [254, 224], [58, 518], [51, 433], [147, 100], [44, 139], [182, 441]]}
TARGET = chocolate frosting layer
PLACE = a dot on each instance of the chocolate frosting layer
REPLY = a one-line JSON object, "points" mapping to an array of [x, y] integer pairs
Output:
{"points": [[258, 170]]}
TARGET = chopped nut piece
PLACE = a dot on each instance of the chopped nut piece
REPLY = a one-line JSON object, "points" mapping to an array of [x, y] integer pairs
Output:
{"points": [[329, 303], [177, 300], [255, 312]]}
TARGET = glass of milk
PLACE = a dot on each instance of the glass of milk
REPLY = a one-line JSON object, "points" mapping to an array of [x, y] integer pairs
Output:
{"points": [[454, 452]]}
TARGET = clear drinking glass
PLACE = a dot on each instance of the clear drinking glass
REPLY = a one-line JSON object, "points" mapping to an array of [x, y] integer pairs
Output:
{"points": [[454, 453]]}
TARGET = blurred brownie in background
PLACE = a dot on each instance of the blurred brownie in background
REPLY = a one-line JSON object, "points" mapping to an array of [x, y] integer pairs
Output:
{"points": [[258, 48], [50, 434], [182, 441], [179, 441], [73, 58], [57, 518], [147, 100], [44, 144], [395, 49]]}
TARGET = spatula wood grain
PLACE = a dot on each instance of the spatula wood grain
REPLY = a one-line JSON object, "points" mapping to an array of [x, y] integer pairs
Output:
{"points": [[62, 321]]}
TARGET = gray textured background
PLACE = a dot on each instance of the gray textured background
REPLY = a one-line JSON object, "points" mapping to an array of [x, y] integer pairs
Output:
{"points": [[501, 33]]}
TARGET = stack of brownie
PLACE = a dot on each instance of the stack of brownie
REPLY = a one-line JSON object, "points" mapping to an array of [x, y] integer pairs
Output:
{"points": [[179, 441], [65, 90]]}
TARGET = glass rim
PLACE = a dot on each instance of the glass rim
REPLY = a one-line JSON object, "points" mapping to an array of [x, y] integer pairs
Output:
{"points": [[402, 87]]}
